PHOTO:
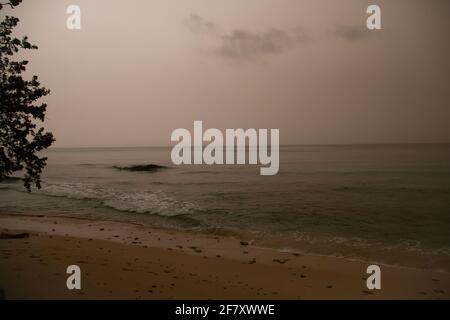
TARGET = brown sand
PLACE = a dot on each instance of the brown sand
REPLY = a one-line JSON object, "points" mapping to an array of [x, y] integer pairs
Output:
{"points": [[125, 261]]}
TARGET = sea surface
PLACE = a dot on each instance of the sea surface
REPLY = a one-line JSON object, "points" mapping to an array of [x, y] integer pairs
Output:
{"points": [[381, 203]]}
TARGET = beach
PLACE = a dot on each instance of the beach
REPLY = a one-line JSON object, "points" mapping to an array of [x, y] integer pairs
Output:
{"points": [[268, 150], [131, 261]]}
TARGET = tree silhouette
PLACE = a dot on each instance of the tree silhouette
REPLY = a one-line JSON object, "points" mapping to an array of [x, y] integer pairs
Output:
{"points": [[20, 136]]}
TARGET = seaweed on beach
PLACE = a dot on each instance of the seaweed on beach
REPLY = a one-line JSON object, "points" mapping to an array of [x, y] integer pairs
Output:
{"points": [[141, 168]]}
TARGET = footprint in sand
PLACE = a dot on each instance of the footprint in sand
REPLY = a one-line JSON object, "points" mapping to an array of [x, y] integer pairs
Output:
{"points": [[281, 261], [81, 261], [127, 269]]}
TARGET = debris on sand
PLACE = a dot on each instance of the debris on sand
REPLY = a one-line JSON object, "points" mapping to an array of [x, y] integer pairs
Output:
{"points": [[5, 235]]}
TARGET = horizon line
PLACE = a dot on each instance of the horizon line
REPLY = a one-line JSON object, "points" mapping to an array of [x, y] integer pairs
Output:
{"points": [[281, 145]]}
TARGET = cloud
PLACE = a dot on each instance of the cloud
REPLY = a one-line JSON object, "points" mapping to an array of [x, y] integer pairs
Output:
{"points": [[245, 45], [352, 33], [198, 25]]}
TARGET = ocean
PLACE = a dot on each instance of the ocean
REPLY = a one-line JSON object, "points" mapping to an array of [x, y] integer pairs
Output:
{"points": [[382, 203]]}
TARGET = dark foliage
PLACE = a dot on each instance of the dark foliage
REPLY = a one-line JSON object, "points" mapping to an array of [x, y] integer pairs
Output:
{"points": [[21, 138]]}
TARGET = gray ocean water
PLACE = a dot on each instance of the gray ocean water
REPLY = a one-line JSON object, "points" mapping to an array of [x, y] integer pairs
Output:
{"points": [[387, 203]]}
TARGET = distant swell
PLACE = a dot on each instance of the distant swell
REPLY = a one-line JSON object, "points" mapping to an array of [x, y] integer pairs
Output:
{"points": [[141, 167], [149, 202]]}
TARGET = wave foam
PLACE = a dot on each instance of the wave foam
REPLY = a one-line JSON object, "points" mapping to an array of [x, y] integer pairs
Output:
{"points": [[151, 202]]}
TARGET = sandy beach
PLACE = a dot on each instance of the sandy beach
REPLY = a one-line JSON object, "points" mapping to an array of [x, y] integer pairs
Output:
{"points": [[127, 261]]}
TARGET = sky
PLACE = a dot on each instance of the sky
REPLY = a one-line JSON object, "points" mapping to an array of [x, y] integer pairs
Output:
{"points": [[137, 70]]}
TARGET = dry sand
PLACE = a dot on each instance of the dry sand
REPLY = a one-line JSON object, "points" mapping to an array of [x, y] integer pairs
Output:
{"points": [[126, 261]]}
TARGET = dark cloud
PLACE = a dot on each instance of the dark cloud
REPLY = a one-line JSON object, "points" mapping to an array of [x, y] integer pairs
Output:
{"points": [[199, 25], [352, 33], [243, 45]]}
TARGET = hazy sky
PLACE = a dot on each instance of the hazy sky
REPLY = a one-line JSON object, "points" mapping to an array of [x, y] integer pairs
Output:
{"points": [[139, 69]]}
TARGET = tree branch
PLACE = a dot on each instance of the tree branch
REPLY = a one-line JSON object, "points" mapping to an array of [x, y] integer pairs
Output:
{"points": [[11, 4], [6, 4]]}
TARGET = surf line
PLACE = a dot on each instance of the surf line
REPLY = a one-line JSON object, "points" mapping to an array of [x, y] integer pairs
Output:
{"points": [[212, 153]]}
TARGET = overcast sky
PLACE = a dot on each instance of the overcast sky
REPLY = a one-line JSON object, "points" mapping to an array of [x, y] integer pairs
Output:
{"points": [[139, 69]]}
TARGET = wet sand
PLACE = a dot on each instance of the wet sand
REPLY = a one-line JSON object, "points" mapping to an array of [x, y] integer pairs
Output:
{"points": [[126, 261]]}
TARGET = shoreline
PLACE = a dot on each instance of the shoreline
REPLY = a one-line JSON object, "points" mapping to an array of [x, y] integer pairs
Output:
{"points": [[185, 266], [410, 259]]}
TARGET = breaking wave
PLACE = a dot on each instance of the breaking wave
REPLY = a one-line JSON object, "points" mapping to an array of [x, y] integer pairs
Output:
{"points": [[143, 202]]}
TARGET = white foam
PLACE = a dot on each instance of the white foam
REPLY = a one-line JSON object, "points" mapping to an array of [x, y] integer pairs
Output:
{"points": [[150, 202]]}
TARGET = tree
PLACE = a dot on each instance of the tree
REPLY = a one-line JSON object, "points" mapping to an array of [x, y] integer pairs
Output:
{"points": [[21, 138]]}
